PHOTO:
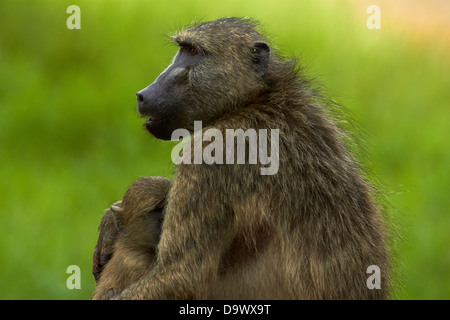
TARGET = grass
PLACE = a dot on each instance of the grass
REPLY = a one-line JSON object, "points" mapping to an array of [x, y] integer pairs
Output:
{"points": [[71, 141]]}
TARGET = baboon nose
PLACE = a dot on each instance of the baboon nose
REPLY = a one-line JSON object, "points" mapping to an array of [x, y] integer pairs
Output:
{"points": [[140, 97], [140, 101], [147, 100]]}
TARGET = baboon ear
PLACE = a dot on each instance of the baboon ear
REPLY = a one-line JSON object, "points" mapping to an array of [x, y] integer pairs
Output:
{"points": [[260, 59]]}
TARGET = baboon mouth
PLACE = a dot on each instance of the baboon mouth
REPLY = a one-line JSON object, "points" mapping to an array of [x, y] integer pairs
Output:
{"points": [[153, 119]]}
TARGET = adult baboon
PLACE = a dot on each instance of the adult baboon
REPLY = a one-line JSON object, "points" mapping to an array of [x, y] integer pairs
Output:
{"points": [[307, 232], [130, 232]]}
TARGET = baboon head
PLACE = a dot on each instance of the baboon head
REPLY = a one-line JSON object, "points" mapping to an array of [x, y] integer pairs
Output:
{"points": [[141, 213], [220, 65]]}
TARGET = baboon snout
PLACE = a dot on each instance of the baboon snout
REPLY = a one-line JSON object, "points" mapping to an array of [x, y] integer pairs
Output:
{"points": [[140, 98], [148, 101], [143, 103]]}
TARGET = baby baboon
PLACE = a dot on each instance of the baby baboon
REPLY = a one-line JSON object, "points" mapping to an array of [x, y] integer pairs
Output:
{"points": [[129, 236], [309, 231]]}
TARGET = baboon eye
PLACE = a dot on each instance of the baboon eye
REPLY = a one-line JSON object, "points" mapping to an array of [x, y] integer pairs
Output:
{"points": [[193, 51], [190, 50]]}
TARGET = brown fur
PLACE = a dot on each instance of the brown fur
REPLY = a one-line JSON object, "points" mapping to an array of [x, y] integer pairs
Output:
{"points": [[308, 232]]}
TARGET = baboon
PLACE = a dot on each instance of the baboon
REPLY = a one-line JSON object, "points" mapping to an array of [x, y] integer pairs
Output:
{"points": [[129, 235], [310, 231]]}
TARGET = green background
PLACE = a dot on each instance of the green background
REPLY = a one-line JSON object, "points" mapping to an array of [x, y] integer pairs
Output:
{"points": [[71, 140]]}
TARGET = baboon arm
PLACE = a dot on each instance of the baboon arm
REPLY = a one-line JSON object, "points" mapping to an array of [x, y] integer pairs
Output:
{"points": [[107, 237], [192, 241], [183, 279]]}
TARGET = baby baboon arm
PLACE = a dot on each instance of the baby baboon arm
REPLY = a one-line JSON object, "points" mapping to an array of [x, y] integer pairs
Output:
{"points": [[193, 238], [107, 237]]}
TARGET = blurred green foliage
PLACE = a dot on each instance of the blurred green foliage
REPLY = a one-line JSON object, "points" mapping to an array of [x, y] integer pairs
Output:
{"points": [[71, 140]]}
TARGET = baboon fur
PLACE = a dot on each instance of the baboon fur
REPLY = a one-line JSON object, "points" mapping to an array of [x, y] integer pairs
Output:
{"points": [[310, 231]]}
